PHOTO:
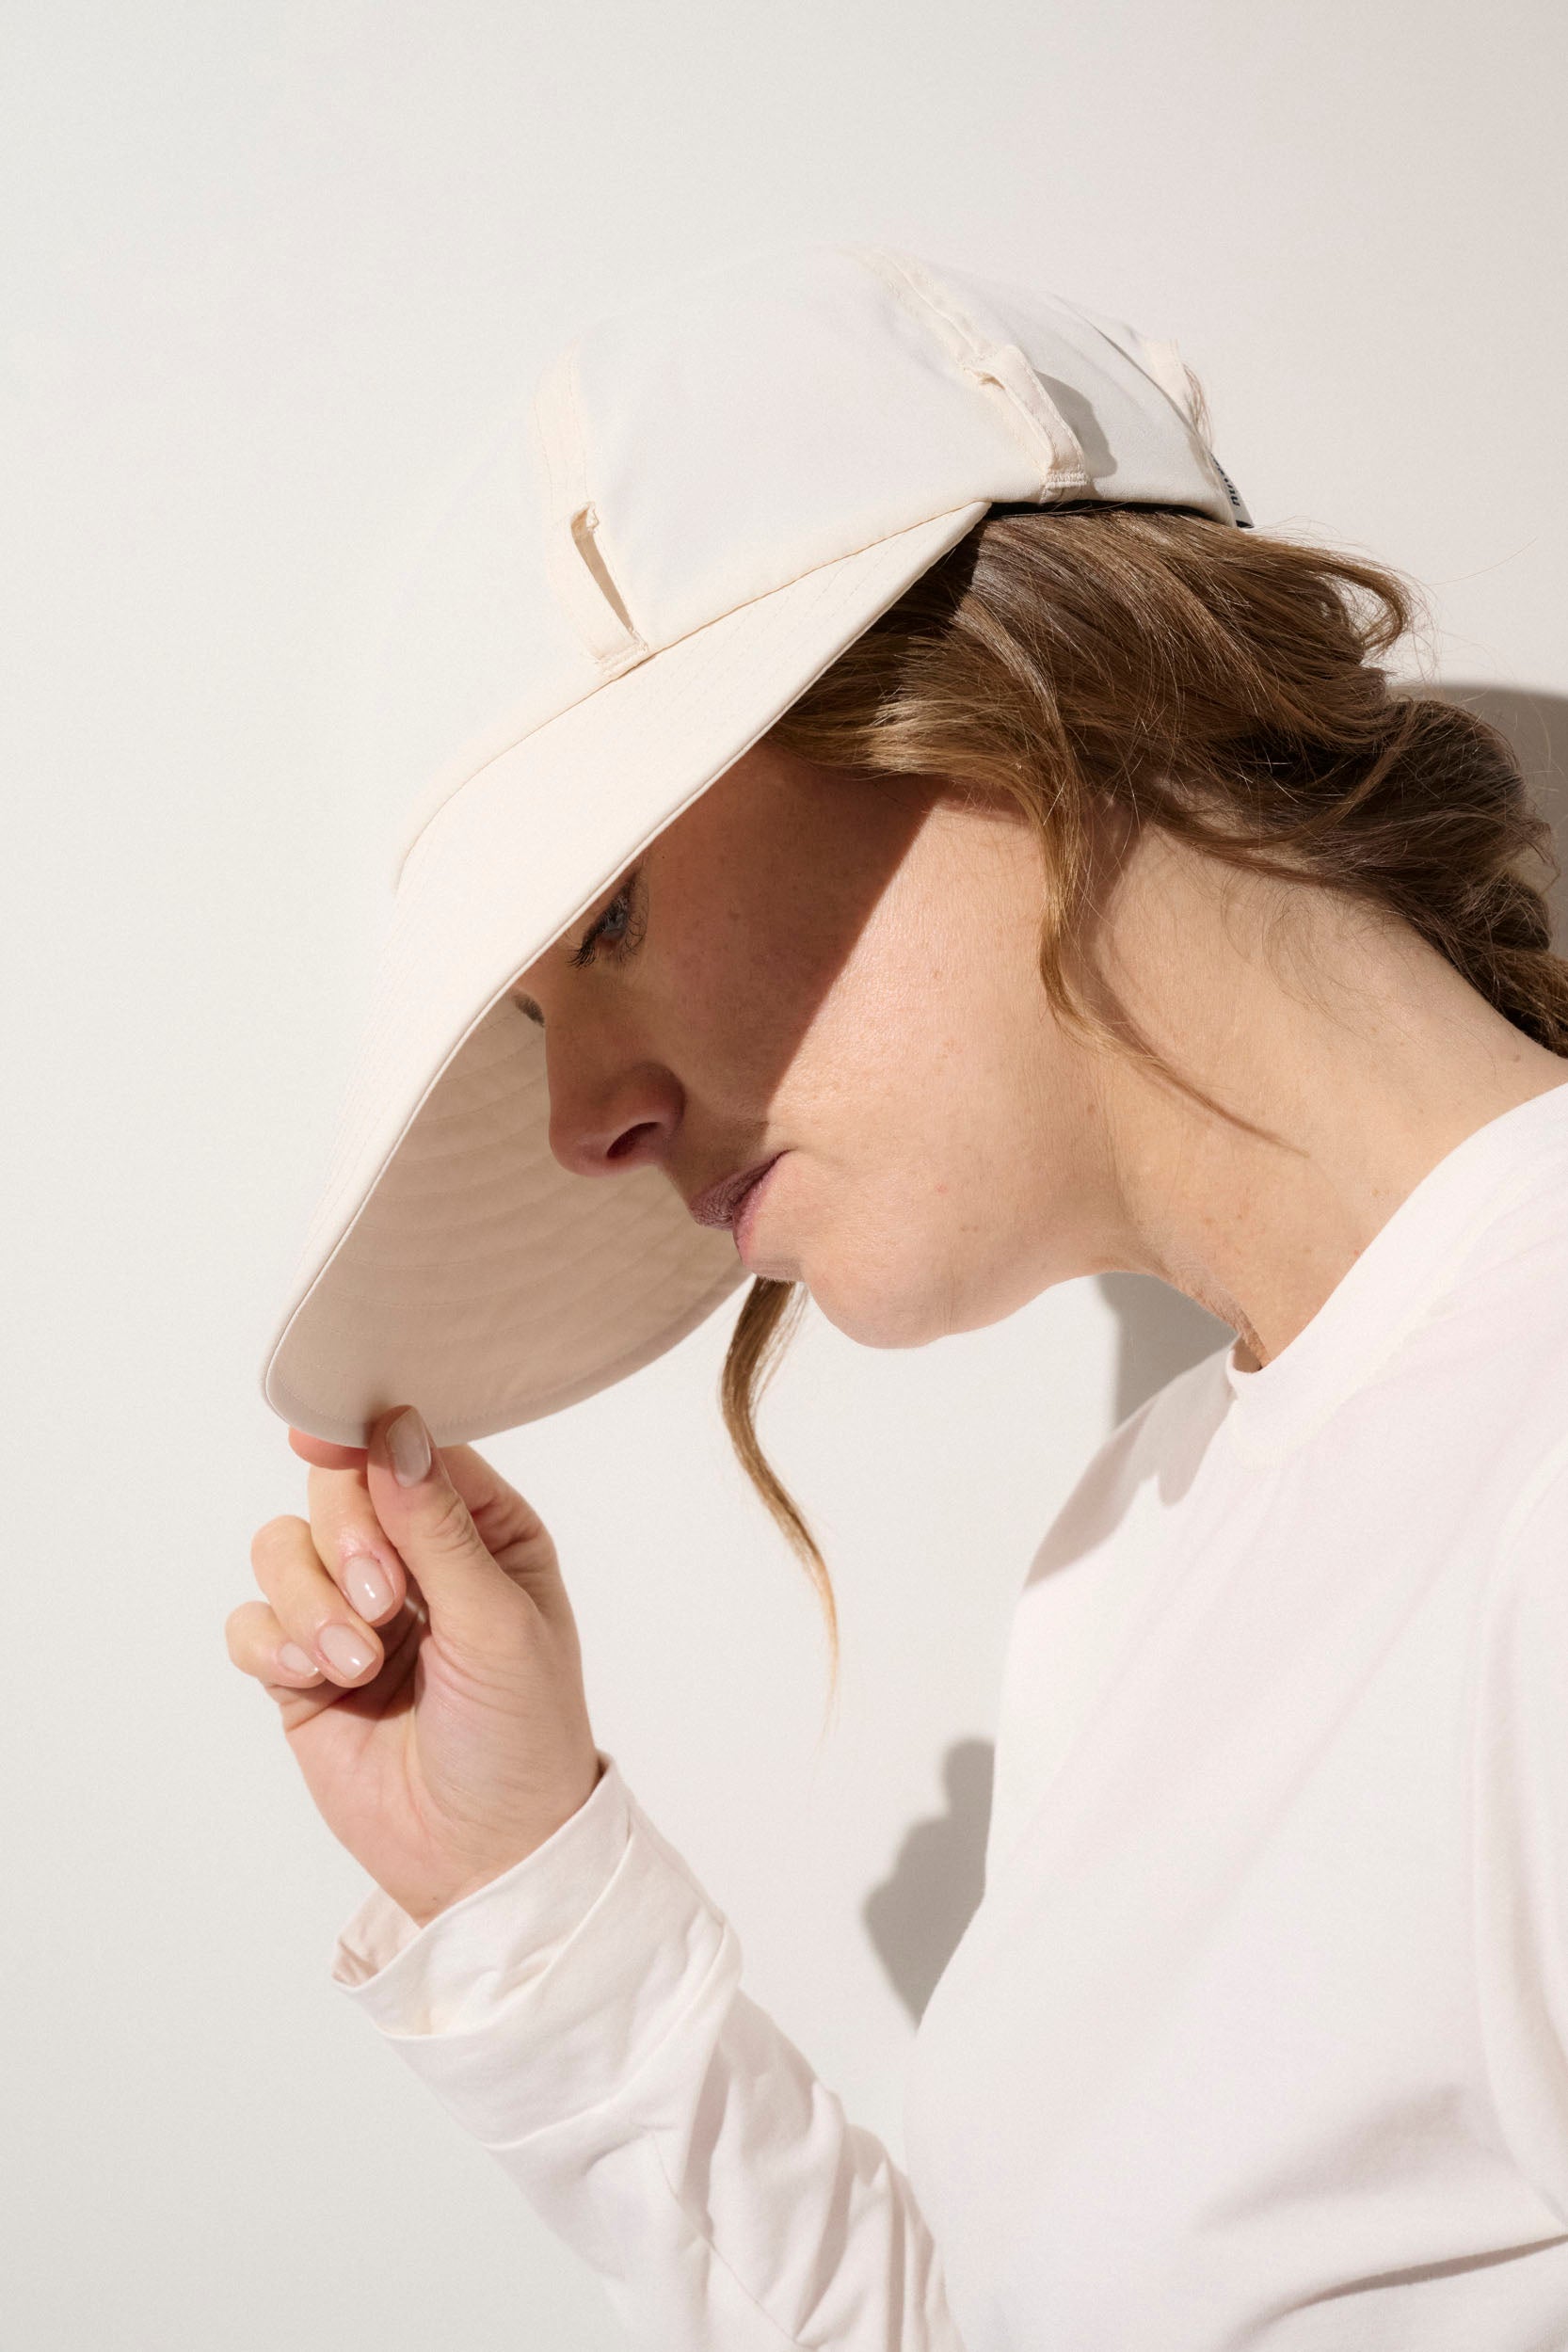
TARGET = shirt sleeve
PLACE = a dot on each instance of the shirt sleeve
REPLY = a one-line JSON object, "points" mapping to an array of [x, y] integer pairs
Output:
{"points": [[1520, 1852], [581, 2016]]}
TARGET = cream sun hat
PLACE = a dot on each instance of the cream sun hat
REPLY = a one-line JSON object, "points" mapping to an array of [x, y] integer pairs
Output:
{"points": [[734, 479]]}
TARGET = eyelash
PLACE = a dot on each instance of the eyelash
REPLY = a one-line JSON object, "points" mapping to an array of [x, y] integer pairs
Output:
{"points": [[623, 945]]}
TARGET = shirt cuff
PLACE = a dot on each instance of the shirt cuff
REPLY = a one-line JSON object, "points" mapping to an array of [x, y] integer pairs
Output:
{"points": [[494, 1941], [549, 1992]]}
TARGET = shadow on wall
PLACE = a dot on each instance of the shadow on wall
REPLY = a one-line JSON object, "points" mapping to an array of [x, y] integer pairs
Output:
{"points": [[916, 1915]]}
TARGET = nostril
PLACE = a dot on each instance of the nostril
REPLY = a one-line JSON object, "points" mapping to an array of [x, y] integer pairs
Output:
{"points": [[624, 1143]]}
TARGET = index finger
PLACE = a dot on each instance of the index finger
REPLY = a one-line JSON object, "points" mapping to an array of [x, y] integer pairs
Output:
{"points": [[500, 1513], [324, 1455]]}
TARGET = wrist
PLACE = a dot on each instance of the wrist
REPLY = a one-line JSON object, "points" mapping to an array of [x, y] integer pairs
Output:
{"points": [[430, 1908]]}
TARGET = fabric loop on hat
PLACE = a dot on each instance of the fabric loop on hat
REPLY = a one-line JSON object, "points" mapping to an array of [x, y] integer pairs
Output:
{"points": [[1032, 411], [579, 573], [1058, 445]]}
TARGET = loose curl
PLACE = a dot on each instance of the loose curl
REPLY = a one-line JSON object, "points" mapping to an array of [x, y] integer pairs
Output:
{"points": [[1225, 685]]}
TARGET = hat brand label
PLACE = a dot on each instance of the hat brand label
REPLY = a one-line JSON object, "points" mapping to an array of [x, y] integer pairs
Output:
{"points": [[1243, 518]]}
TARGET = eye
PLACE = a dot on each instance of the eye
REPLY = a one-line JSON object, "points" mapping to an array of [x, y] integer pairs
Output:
{"points": [[620, 926]]}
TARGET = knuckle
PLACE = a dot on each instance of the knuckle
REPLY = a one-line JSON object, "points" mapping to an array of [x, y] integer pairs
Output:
{"points": [[344, 1525], [343, 1537], [448, 1526], [245, 1631]]}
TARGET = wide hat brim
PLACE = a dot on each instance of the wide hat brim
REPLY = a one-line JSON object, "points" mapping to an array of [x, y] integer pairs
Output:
{"points": [[453, 1262]]}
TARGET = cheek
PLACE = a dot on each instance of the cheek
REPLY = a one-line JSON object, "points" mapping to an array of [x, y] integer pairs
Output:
{"points": [[924, 1045], [732, 992]]}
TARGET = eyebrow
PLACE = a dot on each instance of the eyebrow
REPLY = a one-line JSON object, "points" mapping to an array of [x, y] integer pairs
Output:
{"points": [[526, 1004]]}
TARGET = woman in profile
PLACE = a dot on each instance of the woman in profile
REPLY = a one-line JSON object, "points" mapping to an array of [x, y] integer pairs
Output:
{"points": [[954, 852]]}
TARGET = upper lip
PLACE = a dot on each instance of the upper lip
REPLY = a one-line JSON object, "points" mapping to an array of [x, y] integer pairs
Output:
{"points": [[717, 1205]]}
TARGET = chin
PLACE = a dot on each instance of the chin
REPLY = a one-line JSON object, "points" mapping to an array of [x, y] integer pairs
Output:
{"points": [[900, 1305], [881, 1317]]}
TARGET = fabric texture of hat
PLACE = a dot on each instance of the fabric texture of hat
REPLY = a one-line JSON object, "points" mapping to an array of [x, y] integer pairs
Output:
{"points": [[735, 478]]}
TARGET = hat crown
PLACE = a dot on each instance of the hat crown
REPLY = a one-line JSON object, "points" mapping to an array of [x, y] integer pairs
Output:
{"points": [[717, 440]]}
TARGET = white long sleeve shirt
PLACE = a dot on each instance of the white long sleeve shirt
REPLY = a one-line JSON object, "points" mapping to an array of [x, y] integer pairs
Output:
{"points": [[1259, 2035]]}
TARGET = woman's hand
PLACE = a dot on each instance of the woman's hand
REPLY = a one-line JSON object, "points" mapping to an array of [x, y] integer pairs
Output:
{"points": [[461, 1740]]}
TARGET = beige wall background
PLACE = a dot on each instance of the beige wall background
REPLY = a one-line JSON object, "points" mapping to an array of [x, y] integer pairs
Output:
{"points": [[274, 272]]}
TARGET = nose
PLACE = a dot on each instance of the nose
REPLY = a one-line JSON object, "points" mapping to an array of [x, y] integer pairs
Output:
{"points": [[603, 1126]]}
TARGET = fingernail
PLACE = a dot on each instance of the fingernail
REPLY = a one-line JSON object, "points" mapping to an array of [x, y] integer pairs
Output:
{"points": [[342, 1649], [366, 1586], [409, 1447], [293, 1661]]}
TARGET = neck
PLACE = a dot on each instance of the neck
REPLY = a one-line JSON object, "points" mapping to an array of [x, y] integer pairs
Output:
{"points": [[1357, 1049]]}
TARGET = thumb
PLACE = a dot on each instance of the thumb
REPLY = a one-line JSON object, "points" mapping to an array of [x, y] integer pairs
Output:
{"points": [[432, 1527]]}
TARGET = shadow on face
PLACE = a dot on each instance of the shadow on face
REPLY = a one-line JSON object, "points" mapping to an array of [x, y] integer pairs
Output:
{"points": [[841, 969]]}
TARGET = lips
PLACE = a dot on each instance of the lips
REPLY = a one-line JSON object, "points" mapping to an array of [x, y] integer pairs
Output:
{"points": [[718, 1204]]}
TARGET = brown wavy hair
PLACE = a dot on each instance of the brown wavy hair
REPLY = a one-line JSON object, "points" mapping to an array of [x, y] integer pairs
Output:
{"points": [[1224, 684]]}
